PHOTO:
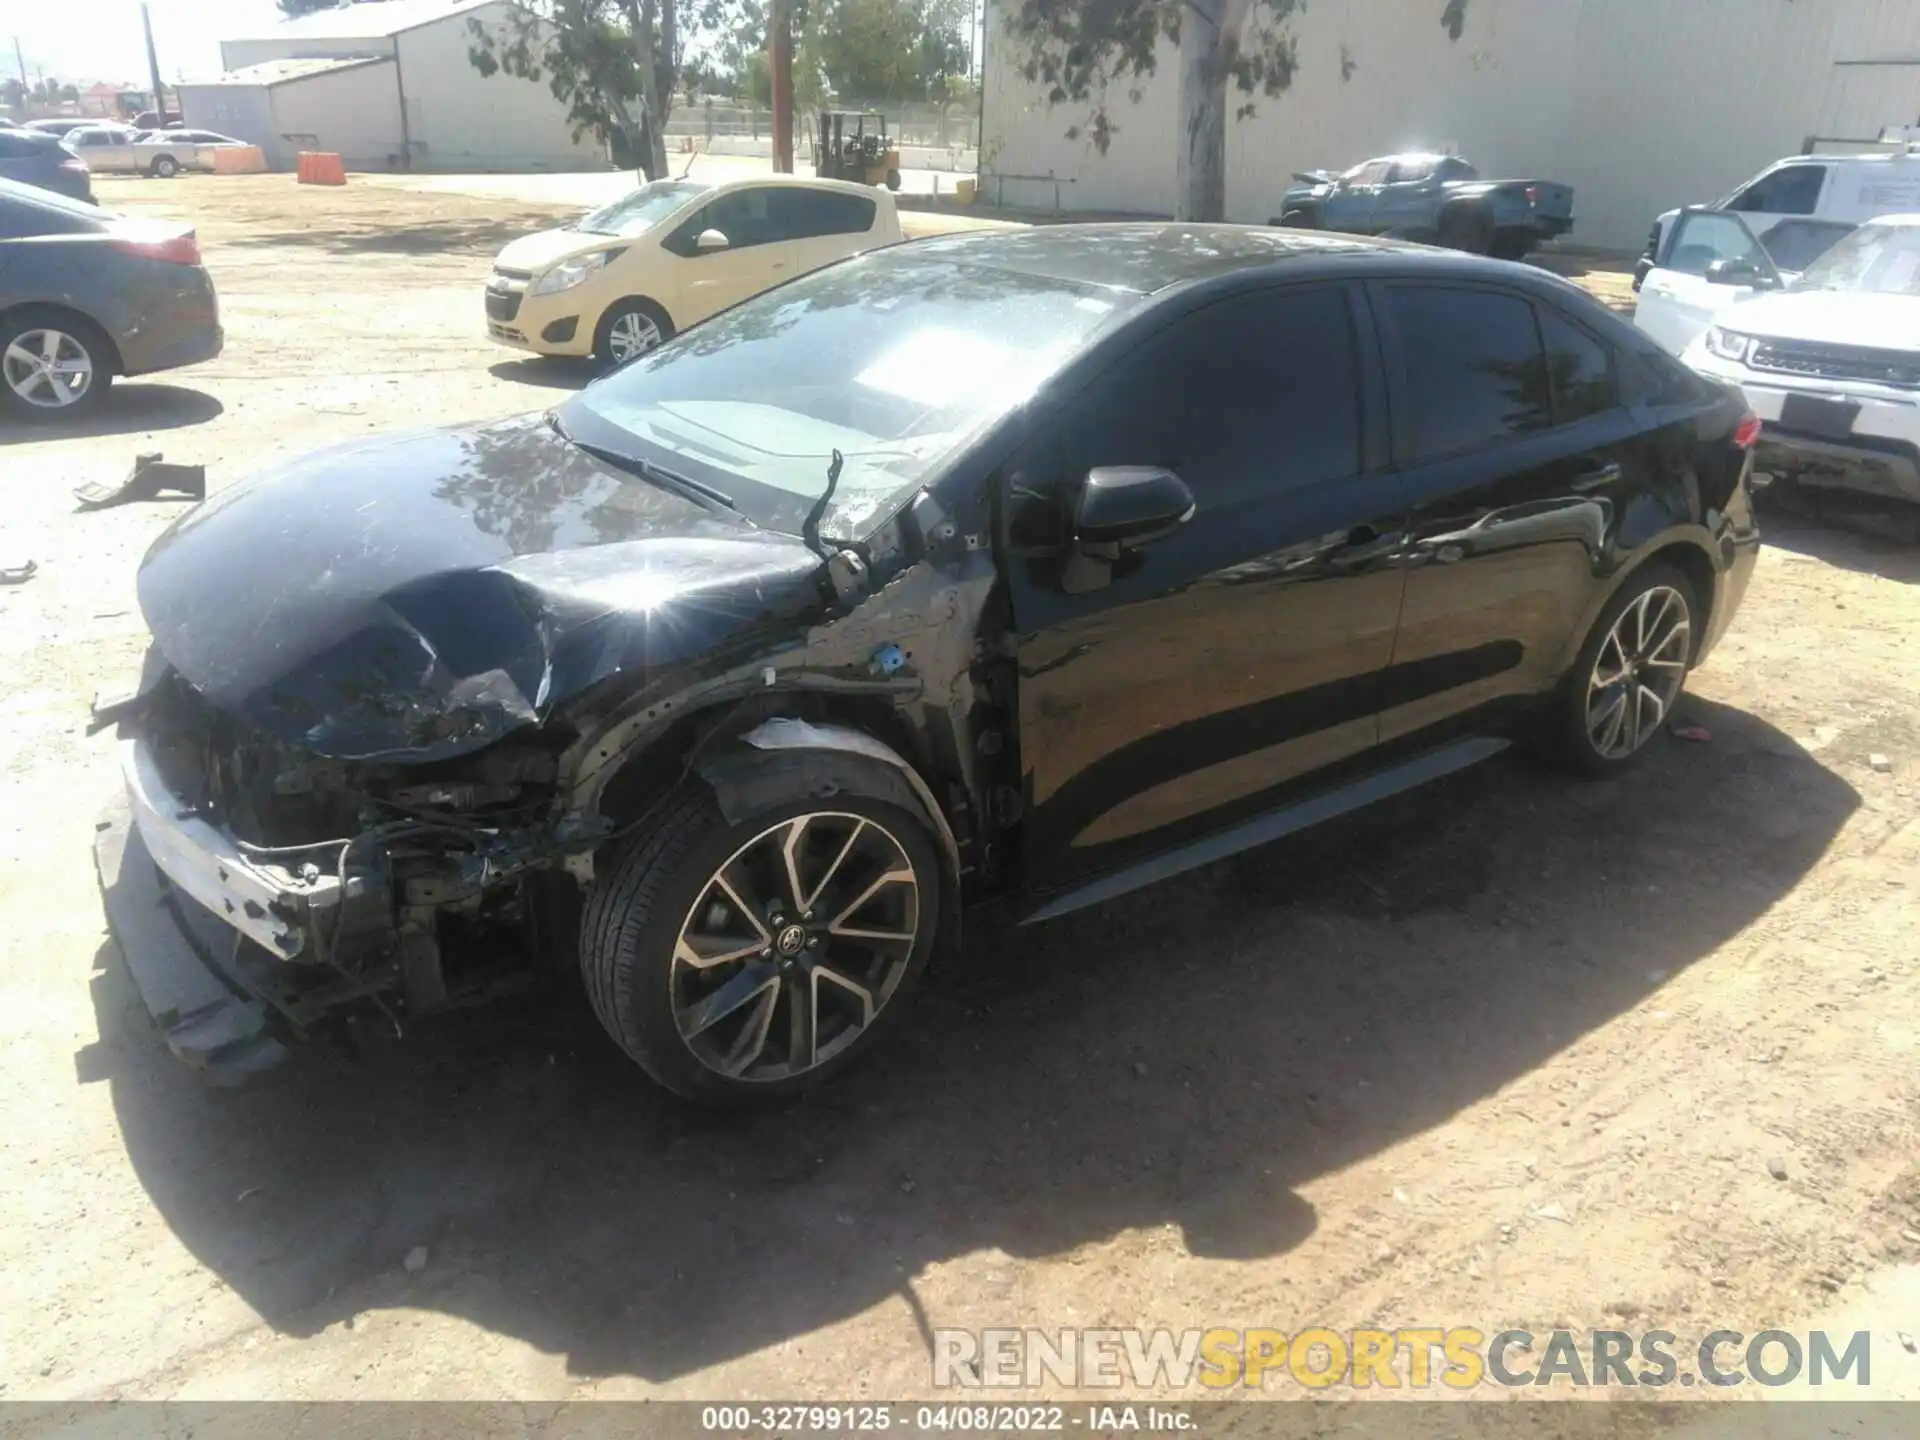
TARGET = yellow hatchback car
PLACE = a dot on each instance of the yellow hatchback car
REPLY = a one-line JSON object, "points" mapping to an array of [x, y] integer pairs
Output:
{"points": [[627, 277]]}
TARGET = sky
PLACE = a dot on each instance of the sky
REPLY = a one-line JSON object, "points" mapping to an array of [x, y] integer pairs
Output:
{"points": [[101, 40]]}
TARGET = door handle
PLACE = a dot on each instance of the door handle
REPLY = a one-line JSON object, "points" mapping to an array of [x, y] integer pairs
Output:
{"points": [[1597, 474]]}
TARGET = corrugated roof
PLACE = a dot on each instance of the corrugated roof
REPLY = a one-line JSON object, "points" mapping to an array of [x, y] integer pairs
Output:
{"points": [[371, 18], [275, 72]]}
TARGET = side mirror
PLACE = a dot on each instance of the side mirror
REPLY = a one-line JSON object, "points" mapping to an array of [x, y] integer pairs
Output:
{"points": [[707, 241], [1123, 507], [1738, 272]]}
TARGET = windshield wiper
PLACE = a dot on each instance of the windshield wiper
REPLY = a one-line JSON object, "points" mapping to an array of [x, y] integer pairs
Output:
{"points": [[683, 485]]}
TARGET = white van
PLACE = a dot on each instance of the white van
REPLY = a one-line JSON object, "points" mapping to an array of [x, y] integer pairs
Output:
{"points": [[1798, 207]]}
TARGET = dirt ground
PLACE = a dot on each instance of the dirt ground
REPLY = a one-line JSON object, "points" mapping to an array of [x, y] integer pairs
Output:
{"points": [[1513, 1051]]}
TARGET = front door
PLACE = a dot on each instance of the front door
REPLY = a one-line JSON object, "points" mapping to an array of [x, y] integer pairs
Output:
{"points": [[1406, 200], [1713, 259], [1219, 666], [1355, 200], [1518, 455], [758, 223]]}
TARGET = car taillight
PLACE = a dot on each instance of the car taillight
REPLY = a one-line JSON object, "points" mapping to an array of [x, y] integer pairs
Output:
{"points": [[76, 165], [1533, 194], [1746, 434]]}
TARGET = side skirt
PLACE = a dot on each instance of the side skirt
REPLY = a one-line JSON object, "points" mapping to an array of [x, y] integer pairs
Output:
{"points": [[1273, 825]]}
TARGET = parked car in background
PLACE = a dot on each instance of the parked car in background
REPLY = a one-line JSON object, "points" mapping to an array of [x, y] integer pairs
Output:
{"points": [[1812, 200], [59, 126], [618, 282], [165, 153], [1435, 198], [154, 120], [86, 295], [1029, 566], [1830, 362], [107, 149], [33, 157]]}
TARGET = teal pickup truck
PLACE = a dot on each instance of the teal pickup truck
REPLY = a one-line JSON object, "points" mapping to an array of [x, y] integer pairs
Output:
{"points": [[1439, 199]]}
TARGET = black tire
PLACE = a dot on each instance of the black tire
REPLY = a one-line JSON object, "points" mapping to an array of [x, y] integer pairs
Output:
{"points": [[635, 912], [1468, 228], [893, 179], [603, 333], [164, 167], [1570, 741], [83, 335], [1512, 247], [1298, 217]]}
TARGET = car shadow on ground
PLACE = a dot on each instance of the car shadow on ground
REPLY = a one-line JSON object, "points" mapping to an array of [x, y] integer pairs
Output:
{"points": [[1855, 532], [432, 237], [131, 407], [1190, 1055], [553, 372]]}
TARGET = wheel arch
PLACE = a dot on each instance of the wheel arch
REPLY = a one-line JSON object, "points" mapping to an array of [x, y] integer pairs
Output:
{"points": [[646, 302], [1687, 554], [10, 313]]}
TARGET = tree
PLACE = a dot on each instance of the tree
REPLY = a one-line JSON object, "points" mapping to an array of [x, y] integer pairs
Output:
{"points": [[890, 49], [294, 9], [1077, 49]]}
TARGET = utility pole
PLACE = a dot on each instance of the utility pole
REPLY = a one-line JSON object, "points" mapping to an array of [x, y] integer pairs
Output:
{"points": [[153, 65], [780, 66], [20, 59]]}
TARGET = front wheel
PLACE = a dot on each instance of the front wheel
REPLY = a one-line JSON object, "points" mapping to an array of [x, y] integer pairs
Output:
{"points": [[630, 329], [1298, 218], [1630, 673], [745, 962]]}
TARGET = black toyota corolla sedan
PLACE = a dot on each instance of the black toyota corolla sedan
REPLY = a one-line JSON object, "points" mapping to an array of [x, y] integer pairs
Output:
{"points": [[1031, 566]]}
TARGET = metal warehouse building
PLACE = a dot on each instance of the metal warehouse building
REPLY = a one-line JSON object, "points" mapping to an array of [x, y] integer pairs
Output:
{"points": [[386, 84], [1641, 105]]}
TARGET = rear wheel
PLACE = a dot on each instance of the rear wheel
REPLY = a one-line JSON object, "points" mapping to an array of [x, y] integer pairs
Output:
{"points": [[745, 962], [164, 167], [893, 179], [1468, 228], [1512, 247], [1630, 673], [53, 366], [629, 329]]}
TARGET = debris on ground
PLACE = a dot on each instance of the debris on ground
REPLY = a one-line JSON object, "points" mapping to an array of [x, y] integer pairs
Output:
{"points": [[18, 574], [151, 475], [416, 1260], [1776, 1167], [1699, 734], [1906, 1342], [1880, 762]]}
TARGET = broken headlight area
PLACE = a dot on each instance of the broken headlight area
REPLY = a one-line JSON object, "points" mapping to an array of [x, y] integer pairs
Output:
{"points": [[404, 885]]}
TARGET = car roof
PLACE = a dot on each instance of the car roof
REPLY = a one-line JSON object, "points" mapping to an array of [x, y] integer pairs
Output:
{"points": [[1910, 221], [1147, 257], [804, 182]]}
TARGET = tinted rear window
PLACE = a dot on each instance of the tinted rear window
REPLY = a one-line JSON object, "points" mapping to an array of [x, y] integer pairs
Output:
{"points": [[1475, 370]]}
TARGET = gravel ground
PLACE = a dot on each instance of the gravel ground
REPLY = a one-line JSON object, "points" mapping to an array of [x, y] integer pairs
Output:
{"points": [[1513, 1051]]}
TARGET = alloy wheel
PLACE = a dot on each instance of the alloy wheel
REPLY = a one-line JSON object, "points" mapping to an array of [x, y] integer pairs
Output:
{"points": [[47, 368], [794, 946], [631, 334], [1639, 671]]}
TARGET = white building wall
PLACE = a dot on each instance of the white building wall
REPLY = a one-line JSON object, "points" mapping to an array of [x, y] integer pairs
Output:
{"points": [[243, 111], [238, 54], [1640, 105], [355, 113], [461, 120]]}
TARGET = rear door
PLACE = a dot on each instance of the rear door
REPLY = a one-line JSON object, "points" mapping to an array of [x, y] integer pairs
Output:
{"points": [[1516, 447], [829, 225], [1712, 260]]}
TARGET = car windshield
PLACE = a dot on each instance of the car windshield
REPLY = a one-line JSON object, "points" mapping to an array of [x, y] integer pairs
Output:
{"points": [[1880, 259], [895, 359], [639, 212]]}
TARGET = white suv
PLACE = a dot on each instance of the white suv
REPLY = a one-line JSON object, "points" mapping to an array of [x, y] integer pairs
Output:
{"points": [[1830, 362], [1800, 206]]}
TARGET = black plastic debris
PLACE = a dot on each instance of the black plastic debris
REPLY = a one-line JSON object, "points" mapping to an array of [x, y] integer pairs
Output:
{"points": [[18, 574], [151, 476]]}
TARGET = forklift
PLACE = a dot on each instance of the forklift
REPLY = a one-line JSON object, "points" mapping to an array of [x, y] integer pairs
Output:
{"points": [[853, 145]]}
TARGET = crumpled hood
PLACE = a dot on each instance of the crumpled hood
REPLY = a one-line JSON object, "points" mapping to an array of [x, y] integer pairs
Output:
{"points": [[538, 251], [1830, 317], [418, 596]]}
